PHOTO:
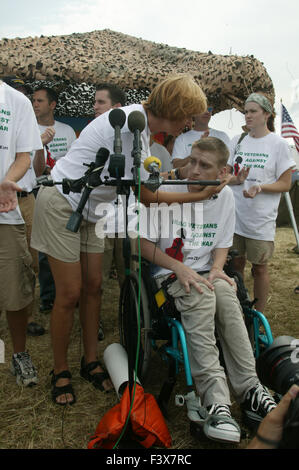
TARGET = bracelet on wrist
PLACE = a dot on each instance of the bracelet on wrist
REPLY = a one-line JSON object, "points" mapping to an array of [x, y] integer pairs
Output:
{"points": [[177, 174]]}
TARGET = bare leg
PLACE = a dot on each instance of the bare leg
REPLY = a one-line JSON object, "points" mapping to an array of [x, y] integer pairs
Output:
{"points": [[67, 277], [90, 304], [261, 285], [17, 324], [239, 264]]}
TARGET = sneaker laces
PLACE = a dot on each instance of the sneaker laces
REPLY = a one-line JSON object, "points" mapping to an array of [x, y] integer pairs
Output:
{"points": [[219, 409], [262, 398]]}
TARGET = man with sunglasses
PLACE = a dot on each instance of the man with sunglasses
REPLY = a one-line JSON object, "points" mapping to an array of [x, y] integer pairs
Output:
{"points": [[183, 143]]}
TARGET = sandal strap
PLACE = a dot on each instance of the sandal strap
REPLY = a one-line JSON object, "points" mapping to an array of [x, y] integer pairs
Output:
{"points": [[92, 365], [98, 378], [65, 374], [57, 391]]}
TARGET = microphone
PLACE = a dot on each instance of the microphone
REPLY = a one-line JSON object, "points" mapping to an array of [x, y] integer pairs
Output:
{"points": [[117, 119], [152, 164], [136, 121], [136, 124], [92, 181]]}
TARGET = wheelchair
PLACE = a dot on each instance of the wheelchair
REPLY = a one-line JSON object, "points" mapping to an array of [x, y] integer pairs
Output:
{"points": [[160, 330]]}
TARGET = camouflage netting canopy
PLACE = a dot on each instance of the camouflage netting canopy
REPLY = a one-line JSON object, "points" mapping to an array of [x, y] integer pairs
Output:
{"points": [[75, 63]]}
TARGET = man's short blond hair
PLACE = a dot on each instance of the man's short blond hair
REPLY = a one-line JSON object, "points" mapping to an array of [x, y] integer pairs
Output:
{"points": [[215, 146], [175, 98]]}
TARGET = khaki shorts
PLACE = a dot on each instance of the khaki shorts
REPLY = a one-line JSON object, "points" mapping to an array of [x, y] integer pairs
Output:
{"points": [[49, 232], [256, 251], [17, 278]]}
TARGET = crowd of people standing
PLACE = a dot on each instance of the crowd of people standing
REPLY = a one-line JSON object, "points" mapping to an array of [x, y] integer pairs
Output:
{"points": [[71, 266]]}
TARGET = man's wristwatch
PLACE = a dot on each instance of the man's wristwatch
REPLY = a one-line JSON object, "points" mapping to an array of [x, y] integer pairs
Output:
{"points": [[177, 174], [174, 174]]}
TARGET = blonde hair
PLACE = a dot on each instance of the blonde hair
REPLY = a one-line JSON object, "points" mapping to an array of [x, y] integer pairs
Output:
{"points": [[215, 146], [175, 98]]}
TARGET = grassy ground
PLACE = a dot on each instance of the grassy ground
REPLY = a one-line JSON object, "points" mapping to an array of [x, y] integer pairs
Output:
{"points": [[28, 418]]}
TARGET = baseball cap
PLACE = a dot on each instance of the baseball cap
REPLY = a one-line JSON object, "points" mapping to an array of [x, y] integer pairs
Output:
{"points": [[16, 82]]}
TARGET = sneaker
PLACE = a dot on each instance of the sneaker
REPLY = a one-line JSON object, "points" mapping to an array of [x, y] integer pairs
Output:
{"points": [[23, 369], [257, 404], [101, 334], [220, 426]]}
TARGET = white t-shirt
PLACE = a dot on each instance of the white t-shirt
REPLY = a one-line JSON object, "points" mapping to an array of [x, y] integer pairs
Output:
{"points": [[18, 133], [204, 225], [183, 143], [99, 133], [63, 139], [268, 158]]}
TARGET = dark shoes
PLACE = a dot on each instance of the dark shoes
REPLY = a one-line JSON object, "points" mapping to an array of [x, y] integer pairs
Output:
{"points": [[97, 378], [258, 403], [34, 329], [46, 307], [66, 389]]}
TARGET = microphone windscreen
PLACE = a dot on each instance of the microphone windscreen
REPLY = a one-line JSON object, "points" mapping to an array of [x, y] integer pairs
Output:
{"points": [[102, 156], [117, 117], [150, 161], [136, 121]]}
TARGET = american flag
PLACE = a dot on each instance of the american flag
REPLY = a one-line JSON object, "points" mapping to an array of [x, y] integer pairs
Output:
{"points": [[288, 129]]}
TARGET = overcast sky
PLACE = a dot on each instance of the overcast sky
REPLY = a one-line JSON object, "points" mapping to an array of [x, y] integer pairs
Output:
{"points": [[267, 29]]}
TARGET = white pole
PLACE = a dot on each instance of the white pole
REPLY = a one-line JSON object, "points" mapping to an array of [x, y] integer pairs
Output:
{"points": [[289, 205], [293, 220]]}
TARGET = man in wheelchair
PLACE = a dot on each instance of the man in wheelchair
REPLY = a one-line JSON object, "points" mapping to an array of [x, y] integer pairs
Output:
{"points": [[206, 297]]}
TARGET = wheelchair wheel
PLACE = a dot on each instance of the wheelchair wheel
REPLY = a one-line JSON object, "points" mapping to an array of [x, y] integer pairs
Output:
{"points": [[128, 323]]}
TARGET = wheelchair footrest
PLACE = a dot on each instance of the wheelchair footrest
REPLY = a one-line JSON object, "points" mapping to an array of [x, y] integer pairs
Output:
{"points": [[195, 411]]}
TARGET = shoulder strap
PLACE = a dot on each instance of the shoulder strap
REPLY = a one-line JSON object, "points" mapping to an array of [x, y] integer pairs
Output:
{"points": [[244, 134]]}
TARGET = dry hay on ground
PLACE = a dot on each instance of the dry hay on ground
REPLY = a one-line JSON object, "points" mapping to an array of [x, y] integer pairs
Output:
{"points": [[29, 420]]}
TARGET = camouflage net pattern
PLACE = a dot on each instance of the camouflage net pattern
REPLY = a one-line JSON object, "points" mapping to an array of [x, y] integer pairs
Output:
{"points": [[74, 64]]}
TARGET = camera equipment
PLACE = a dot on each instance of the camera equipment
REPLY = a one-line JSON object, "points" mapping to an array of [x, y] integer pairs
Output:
{"points": [[278, 369], [117, 119], [276, 366]]}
